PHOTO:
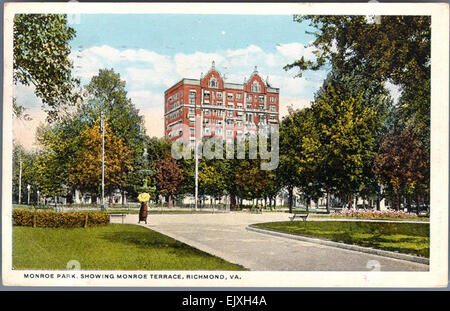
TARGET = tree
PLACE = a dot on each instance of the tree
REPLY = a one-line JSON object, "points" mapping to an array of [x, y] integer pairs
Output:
{"points": [[24, 172], [395, 49], [401, 164], [85, 171], [347, 125], [107, 95], [169, 177], [299, 154], [41, 58]]}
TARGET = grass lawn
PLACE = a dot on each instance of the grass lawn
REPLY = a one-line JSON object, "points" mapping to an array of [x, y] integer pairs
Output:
{"points": [[374, 218], [112, 247], [410, 238]]}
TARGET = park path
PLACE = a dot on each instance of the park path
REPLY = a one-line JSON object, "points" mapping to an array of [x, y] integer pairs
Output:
{"points": [[225, 235]]}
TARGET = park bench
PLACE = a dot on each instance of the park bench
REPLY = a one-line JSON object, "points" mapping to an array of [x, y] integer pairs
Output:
{"points": [[122, 215], [303, 216], [423, 214], [257, 210]]}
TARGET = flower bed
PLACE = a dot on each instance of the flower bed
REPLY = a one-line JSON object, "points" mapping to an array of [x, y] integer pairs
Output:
{"points": [[365, 213]]}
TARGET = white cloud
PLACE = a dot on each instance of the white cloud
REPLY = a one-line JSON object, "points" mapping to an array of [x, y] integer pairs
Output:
{"points": [[296, 50], [148, 74]]}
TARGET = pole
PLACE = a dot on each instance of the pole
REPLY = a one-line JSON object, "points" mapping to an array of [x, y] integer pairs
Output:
{"points": [[28, 197], [196, 154], [103, 161], [20, 179]]}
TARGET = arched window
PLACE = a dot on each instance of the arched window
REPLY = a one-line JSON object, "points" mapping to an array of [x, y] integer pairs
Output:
{"points": [[213, 82], [256, 88]]}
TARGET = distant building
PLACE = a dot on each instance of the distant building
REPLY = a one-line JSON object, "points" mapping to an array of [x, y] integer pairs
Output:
{"points": [[224, 110]]}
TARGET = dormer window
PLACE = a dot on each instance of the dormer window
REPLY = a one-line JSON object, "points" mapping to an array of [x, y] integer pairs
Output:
{"points": [[256, 88], [213, 82]]}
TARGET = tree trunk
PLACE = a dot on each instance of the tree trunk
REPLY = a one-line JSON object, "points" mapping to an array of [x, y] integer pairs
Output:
{"points": [[408, 202], [290, 198], [328, 201], [169, 201], [417, 202], [350, 202], [397, 201]]}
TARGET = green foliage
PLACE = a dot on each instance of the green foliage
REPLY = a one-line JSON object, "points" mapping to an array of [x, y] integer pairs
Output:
{"points": [[51, 219], [41, 58], [85, 171]]}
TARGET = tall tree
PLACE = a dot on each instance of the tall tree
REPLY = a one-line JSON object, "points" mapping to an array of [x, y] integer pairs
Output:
{"points": [[347, 126], [401, 165], [41, 58], [107, 95], [86, 168], [299, 154], [169, 177]]}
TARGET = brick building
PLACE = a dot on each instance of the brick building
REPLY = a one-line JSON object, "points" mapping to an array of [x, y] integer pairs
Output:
{"points": [[223, 109]]}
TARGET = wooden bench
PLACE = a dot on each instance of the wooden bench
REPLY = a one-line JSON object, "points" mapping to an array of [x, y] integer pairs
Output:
{"points": [[257, 210], [424, 214], [303, 216], [123, 215]]}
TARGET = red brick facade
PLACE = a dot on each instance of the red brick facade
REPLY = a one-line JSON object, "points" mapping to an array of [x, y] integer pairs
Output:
{"points": [[223, 109]]}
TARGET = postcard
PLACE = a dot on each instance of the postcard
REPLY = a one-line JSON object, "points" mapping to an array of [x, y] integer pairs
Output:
{"points": [[215, 145]]}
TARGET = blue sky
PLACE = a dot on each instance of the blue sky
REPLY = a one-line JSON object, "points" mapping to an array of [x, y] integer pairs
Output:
{"points": [[151, 52]]}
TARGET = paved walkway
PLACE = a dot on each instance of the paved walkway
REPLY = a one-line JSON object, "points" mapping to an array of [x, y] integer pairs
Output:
{"points": [[225, 235]]}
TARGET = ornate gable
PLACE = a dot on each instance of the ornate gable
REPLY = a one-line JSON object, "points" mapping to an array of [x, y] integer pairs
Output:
{"points": [[255, 83], [212, 79]]}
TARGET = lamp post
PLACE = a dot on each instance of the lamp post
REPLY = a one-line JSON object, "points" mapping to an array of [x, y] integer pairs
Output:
{"points": [[102, 124], [196, 152], [28, 198], [20, 179], [37, 197]]}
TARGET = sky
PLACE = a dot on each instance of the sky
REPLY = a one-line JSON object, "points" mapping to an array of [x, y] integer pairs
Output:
{"points": [[152, 52]]}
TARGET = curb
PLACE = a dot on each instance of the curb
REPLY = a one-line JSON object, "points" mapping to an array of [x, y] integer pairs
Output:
{"points": [[357, 248]]}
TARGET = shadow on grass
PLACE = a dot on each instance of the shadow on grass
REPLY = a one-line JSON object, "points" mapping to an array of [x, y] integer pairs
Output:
{"points": [[151, 240]]}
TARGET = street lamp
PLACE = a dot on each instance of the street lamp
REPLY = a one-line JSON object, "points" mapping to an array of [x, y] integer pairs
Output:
{"points": [[28, 199], [38, 197], [102, 124]]}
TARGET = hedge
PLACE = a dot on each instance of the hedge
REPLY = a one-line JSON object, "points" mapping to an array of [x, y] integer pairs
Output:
{"points": [[51, 219]]}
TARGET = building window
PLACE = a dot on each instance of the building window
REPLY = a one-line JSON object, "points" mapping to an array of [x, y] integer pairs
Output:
{"points": [[249, 117], [230, 113], [213, 82], [249, 106], [219, 95], [272, 99], [239, 96], [273, 108], [229, 132], [261, 98], [256, 88], [249, 97], [192, 97], [230, 96]]}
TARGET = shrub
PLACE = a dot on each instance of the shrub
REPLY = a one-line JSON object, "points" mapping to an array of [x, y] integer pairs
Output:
{"points": [[51, 219]]}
